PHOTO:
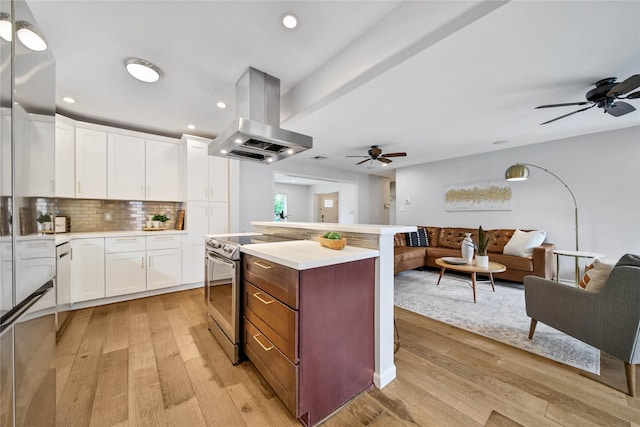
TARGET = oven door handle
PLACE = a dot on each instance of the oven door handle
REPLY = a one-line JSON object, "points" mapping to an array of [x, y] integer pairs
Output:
{"points": [[215, 258]]}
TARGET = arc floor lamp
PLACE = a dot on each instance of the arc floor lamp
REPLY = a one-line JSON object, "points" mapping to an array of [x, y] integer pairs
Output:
{"points": [[520, 172]]}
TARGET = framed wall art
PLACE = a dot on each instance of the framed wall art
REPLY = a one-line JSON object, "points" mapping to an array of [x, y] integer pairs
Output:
{"points": [[494, 195]]}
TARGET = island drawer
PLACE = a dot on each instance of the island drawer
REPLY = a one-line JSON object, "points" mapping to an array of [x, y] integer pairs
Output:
{"points": [[275, 279], [276, 369], [277, 321]]}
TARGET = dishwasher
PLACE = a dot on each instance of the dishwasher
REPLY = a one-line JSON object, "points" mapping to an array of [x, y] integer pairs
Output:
{"points": [[63, 285]]}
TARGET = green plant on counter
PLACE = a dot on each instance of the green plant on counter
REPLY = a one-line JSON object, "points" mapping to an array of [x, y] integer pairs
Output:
{"points": [[331, 235], [161, 218], [44, 218]]}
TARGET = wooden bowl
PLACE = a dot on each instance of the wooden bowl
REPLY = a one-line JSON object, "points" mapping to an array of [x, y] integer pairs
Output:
{"points": [[337, 244]]}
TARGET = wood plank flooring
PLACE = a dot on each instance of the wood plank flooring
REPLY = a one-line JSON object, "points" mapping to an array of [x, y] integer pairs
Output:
{"points": [[152, 362]]}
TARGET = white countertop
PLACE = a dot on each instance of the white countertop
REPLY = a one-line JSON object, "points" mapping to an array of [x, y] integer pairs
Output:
{"points": [[306, 254], [354, 228]]}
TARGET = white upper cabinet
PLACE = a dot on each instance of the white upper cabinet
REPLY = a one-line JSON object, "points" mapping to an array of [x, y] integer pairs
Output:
{"points": [[65, 160], [218, 179], [197, 170], [125, 167], [162, 171], [40, 150], [91, 164]]}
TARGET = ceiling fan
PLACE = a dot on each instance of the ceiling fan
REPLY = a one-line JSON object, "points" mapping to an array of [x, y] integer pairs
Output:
{"points": [[375, 153], [606, 95]]}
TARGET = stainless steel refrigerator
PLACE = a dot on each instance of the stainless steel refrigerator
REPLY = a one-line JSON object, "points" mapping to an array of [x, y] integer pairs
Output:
{"points": [[27, 193]]}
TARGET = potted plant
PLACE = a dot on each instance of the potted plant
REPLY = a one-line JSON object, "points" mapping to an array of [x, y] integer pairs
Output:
{"points": [[45, 221], [159, 220], [481, 244]]}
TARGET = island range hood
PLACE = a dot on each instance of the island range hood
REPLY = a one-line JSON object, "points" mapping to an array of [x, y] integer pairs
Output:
{"points": [[255, 133]]}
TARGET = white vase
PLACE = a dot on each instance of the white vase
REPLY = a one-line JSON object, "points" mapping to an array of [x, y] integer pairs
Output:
{"points": [[482, 261], [467, 248]]}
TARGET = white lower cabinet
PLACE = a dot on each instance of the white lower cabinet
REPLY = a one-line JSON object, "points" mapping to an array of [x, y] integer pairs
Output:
{"points": [[125, 273], [87, 269], [163, 268]]}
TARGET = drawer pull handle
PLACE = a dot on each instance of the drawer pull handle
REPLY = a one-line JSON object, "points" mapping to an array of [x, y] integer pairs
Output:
{"points": [[255, 337], [262, 264], [265, 302]]}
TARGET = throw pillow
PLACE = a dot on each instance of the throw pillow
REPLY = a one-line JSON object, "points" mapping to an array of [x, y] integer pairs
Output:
{"points": [[418, 238], [522, 242], [596, 275]]}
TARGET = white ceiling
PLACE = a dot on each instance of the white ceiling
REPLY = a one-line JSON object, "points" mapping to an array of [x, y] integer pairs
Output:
{"points": [[434, 79]]}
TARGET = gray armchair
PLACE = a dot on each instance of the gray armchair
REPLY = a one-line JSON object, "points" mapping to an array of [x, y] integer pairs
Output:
{"points": [[609, 320]]}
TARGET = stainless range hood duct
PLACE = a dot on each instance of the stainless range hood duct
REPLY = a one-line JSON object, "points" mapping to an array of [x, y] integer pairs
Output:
{"points": [[255, 133]]}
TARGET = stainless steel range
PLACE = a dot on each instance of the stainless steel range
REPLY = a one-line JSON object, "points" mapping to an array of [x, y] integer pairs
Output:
{"points": [[222, 286]]}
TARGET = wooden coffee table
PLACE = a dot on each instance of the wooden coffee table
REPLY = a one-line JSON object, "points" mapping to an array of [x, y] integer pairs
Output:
{"points": [[494, 267]]}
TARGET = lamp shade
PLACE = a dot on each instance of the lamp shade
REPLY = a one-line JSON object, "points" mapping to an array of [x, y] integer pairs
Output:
{"points": [[517, 173]]}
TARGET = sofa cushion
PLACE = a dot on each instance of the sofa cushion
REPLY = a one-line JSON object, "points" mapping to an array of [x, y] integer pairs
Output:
{"points": [[399, 240], [417, 238], [451, 237], [596, 275], [523, 242], [498, 238], [432, 235], [404, 253]]}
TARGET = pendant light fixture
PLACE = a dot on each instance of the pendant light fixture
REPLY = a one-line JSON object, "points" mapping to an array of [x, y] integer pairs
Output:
{"points": [[143, 70], [29, 36], [6, 29]]}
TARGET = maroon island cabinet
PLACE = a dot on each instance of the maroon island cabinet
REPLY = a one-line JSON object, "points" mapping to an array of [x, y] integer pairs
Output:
{"points": [[310, 332]]}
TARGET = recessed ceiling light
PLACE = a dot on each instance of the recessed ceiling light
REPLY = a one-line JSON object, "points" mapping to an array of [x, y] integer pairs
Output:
{"points": [[69, 100], [191, 127], [143, 70], [290, 21], [221, 104], [28, 36], [6, 30]]}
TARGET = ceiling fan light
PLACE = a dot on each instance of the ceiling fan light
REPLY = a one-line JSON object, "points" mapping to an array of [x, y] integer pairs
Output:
{"points": [[29, 37], [517, 172], [6, 29], [143, 70]]}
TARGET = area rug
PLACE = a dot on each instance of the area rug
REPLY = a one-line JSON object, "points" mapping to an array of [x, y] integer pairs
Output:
{"points": [[499, 315]]}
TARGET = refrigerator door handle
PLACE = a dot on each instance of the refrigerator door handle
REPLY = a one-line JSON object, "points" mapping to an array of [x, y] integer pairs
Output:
{"points": [[9, 317]]}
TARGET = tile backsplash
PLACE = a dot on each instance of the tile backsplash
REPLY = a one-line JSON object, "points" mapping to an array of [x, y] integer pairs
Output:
{"points": [[126, 215]]}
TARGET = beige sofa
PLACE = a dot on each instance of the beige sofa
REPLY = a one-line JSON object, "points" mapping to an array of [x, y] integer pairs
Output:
{"points": [[446, 242]]}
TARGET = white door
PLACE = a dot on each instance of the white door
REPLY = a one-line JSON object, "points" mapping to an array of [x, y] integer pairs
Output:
{"points": [[162, 170], [163, 269], [87, 269], [197, 170], [328, 207], [125, 167], [126, 273], [91, 164], [65, 160]]}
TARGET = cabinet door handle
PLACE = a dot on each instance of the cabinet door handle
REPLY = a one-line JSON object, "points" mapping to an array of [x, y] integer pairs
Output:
{"points": [[148, 191], [141, 262], [79, 187], [255, 337], [262, 264], [53, 186], [126, 239], [150, 260], [265, 302], [142, 190]]}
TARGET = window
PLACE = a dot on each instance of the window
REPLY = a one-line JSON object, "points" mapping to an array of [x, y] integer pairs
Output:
{"points": [[280, 207]]}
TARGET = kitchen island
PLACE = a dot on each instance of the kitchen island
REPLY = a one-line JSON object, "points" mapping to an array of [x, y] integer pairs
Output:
{"points": [[372, 236], [309, 322]]}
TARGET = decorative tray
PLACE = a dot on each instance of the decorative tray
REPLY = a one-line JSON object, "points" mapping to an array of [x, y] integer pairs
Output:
{"points": [[454, 260], [153, 229]]}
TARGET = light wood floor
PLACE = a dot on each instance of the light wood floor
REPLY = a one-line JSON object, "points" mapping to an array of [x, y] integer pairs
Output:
{"points": [[153, 362]]}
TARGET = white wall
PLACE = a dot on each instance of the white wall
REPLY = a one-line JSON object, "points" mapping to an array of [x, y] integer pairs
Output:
{"points": [[256, 191], [603, 171], [298, 207]]}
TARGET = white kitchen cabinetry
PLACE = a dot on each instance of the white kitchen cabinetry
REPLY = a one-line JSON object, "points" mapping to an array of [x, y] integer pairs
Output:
{"points": [[36, 265], [197, 170], [125, 167], [218, 179], [125, 273], [164, 268], [162, 170], [87, 269], [65, 160], [39, 151], [91, 164]]}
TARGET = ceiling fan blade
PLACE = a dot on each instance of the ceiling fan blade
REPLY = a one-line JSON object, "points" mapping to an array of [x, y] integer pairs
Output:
{"points": [[567, 115], [633, 95], [564, 105], [394, 155], [358, 156], [383, 160], [626, 86], [365, 160], [620, 108]]}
